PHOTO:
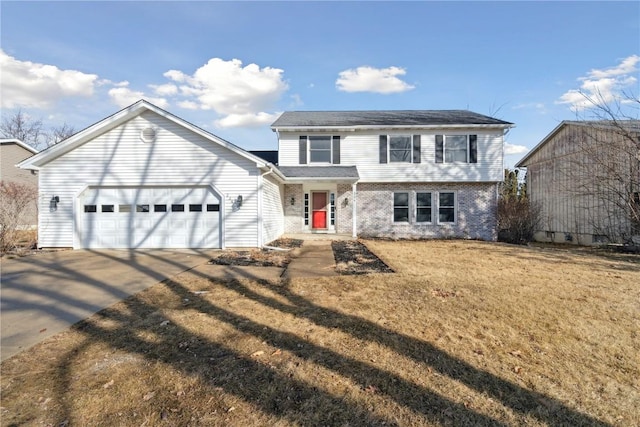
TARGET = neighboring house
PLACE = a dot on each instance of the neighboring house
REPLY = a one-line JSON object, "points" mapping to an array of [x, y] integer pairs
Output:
{"points": [[144, 178], [399, 174], [585, 176], [12, 152]]}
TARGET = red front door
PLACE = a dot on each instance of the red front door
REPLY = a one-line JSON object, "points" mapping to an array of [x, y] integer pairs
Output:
{"points": [[319, 213]]}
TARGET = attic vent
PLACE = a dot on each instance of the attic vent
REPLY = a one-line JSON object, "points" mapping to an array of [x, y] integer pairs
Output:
{"points": [[148, 134]]}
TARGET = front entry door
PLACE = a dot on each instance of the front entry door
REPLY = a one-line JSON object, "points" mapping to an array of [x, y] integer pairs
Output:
{"points": [[319, 214]]}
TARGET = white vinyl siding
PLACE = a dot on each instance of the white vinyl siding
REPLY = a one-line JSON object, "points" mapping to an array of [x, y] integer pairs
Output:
{"points": [[361, 149], [120, 158], [272, 210]]}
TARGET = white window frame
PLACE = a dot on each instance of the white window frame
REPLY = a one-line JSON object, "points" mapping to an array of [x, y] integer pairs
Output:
{"points": [[444, 148], [455, 207], [330, 150], [393, 207], [389, 137], [416, 207]]}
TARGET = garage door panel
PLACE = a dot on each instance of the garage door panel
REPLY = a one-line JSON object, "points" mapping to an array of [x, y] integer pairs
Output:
{"points": [[143, 218]]}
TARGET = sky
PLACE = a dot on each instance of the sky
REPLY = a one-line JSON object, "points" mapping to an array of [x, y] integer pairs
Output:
{"points": [[233, 67]]}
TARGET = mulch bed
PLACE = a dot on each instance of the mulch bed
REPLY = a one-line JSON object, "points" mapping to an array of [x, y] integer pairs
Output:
{"points": [[352, 257], [259, 257]]}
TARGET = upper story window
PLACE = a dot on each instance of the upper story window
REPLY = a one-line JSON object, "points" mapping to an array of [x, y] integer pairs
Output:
{"points": [[399, 149], [457, 148], [319, 149]]}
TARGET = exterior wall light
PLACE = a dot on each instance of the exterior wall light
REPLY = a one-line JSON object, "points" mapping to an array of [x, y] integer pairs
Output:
{"points": [[293, 200]]}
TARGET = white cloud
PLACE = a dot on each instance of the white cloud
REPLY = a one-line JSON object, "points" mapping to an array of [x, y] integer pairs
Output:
{"points": [[602, 86], [188, 105], [165, 90], [33, 85], [369, 79], [510, 149], [530, 105], [242, 93], [124, 96], [246, 120]]}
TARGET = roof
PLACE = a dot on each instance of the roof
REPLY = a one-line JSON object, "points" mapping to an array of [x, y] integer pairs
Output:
{"points": [[384, 119], [270, 156], [119, 118], [19, 143], [346, 173], [630, 125]]}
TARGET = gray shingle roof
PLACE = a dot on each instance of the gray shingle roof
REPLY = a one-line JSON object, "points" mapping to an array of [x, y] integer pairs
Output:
{"points": [[349, 172], [383, 118]]}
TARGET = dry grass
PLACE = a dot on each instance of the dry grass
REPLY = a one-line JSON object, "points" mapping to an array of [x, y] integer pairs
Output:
{"points": [[465, 333]]}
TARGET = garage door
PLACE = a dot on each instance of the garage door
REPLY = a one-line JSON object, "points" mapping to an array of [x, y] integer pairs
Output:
{"points": [[173, 217]]}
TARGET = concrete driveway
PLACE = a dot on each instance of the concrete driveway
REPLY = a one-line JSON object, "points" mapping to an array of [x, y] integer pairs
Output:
{"points": [[44, 294]]}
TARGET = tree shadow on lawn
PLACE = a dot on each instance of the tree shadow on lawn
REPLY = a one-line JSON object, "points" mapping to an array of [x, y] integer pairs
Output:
{"points": [[288, 398], [246, 378]]}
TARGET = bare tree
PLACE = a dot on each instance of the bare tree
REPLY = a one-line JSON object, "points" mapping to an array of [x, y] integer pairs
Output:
{"points": [[59, 134], [602, 173], [21, 126]]}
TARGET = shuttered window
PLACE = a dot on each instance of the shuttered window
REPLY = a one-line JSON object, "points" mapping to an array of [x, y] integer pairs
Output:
{"points": [[456, 148], [400, 149]]}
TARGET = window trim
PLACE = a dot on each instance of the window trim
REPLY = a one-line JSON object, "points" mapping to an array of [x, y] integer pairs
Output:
{"points": [[408, 207], [417, 206], [454, 207], [330, 150], [435, 207]]}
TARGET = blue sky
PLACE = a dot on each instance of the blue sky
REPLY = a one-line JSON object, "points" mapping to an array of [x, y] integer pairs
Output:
{"points": [[232, 67]]}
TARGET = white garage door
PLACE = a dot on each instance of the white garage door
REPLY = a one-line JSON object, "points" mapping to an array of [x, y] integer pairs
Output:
{"points": [[175, 217]]}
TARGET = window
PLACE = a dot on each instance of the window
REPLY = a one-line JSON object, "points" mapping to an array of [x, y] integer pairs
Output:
{"points": [[213, 208], [90, 208], [159, 208], [447, 207], [319, 149], [108, 208], [457, 148], [306, 209], [195, 208], [177, 208], [423, 207], [124, 208], [142, 208], [400, 207], [399, 149]]}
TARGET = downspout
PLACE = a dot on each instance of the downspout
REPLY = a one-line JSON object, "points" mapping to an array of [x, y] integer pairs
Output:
{"points": [[354, 230]]}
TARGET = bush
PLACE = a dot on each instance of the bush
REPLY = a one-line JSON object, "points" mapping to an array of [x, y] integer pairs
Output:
{"points": [[15, 200], [518, 219]]}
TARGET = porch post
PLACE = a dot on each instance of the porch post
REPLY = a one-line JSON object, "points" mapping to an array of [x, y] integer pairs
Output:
{"points": [[354, 232]]}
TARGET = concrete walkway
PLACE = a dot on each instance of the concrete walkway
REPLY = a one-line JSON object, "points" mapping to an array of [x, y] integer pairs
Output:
{"points": [[313, 259]]}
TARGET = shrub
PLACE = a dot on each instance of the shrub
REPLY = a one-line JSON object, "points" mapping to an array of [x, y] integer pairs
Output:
{"points": [[15, 201], [518, 219]]}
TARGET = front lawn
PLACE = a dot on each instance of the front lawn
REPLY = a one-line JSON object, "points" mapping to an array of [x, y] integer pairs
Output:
{"points": [[463, 333]]}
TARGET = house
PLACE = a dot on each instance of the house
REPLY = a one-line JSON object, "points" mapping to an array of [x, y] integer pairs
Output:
{"points": [[12, 152], [144, 178], [585, 176], [397, 174]]}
